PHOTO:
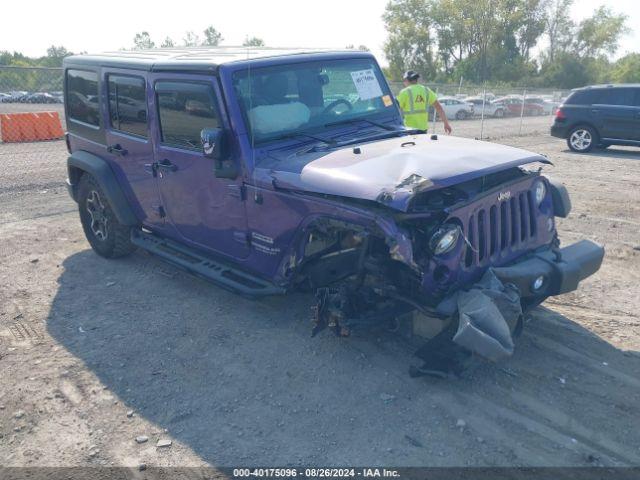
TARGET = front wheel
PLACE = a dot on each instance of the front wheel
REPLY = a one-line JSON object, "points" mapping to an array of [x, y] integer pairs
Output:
{"points": [[108, 237], [582, 139], [461, 115]]}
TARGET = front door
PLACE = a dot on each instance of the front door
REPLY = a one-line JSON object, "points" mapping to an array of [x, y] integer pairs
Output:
{"points": [[206, 212], [129, 145]]}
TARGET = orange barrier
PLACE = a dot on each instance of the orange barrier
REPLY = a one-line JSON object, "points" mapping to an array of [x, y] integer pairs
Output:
{"points": [[30, 127]]}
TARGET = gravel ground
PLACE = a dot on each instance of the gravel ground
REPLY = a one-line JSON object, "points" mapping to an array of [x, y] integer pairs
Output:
{"points": [[96, 353]]}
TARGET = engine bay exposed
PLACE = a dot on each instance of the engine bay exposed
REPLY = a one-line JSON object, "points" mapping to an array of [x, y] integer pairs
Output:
{"points": [[361, 280]]}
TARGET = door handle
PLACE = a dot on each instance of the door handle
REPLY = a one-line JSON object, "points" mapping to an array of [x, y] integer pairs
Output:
{"points": [[117, 149], [166, 165], [595, 111]]}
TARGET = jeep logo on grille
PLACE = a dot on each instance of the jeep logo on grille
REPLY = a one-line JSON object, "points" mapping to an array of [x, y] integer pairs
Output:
{"points": [[502, 196]]}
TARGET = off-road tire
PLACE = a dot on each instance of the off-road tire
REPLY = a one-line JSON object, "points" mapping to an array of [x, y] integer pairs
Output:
{"points": [[589, 139], [105, 234]]}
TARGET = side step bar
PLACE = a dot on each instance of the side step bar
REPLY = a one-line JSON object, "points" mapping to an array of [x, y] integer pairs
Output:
{"points": [[203, 266]]}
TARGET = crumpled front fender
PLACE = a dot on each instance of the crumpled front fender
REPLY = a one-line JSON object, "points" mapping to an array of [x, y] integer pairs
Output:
{"points": [[399, 243]]}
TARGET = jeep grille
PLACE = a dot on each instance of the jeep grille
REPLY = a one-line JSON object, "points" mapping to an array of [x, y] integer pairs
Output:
{"points": [[500, 229]]}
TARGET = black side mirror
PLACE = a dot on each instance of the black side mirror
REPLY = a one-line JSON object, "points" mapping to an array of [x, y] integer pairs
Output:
{"points": [[213, 146], [211, 139]]}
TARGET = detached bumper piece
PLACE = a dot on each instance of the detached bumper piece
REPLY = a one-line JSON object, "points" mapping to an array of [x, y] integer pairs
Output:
{"points": [[490, 313]]}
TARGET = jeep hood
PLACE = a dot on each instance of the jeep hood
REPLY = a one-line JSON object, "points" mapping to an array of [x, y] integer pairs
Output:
{"points": [[392, 171]]}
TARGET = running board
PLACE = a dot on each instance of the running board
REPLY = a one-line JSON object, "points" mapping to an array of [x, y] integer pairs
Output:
{"points": [[205, 267]]}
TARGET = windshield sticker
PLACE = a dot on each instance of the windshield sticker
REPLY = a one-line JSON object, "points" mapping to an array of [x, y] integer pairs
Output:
{"points": [[367, 84], [387, 101]]}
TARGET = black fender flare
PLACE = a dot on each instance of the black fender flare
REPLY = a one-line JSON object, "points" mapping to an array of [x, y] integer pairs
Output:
{"points": [[560, 198], [80, 162]]}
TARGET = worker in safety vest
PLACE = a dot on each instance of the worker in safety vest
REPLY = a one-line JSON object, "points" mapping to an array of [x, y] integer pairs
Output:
{"points": [[415, 99]]}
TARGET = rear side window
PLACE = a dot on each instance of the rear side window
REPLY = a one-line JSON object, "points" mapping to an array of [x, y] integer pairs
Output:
{"points": [[618, 96], [584, 97], [128, 104], [184, 110], [83, 100]]}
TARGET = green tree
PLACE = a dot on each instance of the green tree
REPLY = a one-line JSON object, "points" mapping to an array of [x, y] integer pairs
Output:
{"points": [[167, 43], [191, 39], [212, 37], [362, 48], [567, 71], [600, 34], [409, 43], [253, 42], [627, 69], [478, 39], [559, 27], [531, 23], [142, 41], [54, 57]]}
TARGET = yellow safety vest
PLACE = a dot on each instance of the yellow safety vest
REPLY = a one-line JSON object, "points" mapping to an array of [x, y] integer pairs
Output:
{"points": [[414, 101]]}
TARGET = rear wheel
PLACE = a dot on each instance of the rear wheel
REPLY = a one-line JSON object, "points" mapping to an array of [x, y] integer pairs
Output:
{"points": [[461, 115], [499, 113], [582, 139], [105, 234]]}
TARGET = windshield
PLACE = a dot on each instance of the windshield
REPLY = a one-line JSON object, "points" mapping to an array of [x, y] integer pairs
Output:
{"points": [[286, 99]]}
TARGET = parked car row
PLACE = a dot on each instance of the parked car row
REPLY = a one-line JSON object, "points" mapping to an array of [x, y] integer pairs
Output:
{"points": [[461, 107], [19, 96]]}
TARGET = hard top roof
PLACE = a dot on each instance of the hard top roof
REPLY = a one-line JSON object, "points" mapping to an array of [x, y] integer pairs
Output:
{"points": [[196, 58]]}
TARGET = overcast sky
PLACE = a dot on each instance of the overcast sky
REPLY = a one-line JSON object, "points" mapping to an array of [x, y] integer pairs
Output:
{"points": [[30, 27]]}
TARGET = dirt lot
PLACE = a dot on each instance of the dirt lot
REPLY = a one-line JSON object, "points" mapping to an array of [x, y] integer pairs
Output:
{"points": [[94, 353]]}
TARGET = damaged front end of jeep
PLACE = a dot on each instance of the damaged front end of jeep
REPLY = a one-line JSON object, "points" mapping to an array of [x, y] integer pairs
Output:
{"points": [[455, 266]]}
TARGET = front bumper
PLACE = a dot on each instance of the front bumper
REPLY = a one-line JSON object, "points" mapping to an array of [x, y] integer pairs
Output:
{"points": [[562, 270], [490, 311]]}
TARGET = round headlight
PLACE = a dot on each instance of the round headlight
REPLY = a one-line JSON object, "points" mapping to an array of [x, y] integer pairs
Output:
{"points": [[445, 238], [540, 191]]}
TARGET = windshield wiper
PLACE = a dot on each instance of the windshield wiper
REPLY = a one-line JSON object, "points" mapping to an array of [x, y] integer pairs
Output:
{"points": [[326, 141], [370, 122]]}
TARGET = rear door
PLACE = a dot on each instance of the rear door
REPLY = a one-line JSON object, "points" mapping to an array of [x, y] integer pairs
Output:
{"points": [[618, 114], [205, 211], [128, 142]]}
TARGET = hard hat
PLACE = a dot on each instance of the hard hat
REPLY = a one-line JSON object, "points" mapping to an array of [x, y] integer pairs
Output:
{"points": [[411, 75]]}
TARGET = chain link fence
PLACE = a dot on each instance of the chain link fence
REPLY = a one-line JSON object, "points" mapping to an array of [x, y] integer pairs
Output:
{"points": [[35, 93], [484, 112]]}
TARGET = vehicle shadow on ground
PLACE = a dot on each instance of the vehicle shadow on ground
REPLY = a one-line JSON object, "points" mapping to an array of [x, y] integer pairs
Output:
{"points": [[241, 382], [612, 152]]}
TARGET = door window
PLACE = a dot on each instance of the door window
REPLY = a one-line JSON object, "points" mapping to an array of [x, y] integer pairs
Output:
{"points": [[82, 96], [617, 96], [128, 104], [184, 109]]}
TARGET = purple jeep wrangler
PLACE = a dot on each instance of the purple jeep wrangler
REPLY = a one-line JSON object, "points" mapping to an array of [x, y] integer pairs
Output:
{"points": [[271, 171]]}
